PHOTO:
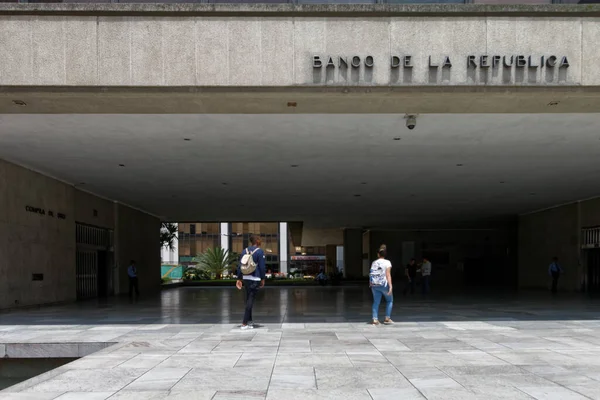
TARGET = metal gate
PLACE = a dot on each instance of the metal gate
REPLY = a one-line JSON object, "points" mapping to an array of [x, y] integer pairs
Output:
{"points": [[87, 274], [593, 267], [92, 242]]}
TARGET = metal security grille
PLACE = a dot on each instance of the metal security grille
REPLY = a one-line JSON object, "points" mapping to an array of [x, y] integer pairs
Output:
{"points": [[93, 261], [593, 276], [87, 274], [91, 236], [590, 238]]}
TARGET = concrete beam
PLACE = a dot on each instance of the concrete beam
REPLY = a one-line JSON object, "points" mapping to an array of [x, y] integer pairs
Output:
{"points": [[313, 100], [304, 10]]}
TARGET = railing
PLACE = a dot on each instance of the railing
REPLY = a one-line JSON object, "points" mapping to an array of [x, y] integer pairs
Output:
{"points": [[590, 238]]}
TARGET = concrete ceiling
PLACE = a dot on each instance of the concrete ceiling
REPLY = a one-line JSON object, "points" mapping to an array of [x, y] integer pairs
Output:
{"points": [[239, 167]]}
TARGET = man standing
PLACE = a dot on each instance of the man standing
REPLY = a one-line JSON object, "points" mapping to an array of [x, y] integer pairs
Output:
{"points": [[426, 273], [411, 275], [133, 280], [251, 274], [554, 270]]}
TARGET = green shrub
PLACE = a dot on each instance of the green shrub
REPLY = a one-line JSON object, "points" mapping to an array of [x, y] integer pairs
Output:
{"points": [[195, 274]]}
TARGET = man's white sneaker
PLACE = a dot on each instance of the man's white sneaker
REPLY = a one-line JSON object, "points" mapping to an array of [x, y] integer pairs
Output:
{"points": [[246, 327]]}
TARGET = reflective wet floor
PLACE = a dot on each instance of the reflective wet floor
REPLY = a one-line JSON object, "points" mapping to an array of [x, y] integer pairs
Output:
{"points": [[315, 343]]}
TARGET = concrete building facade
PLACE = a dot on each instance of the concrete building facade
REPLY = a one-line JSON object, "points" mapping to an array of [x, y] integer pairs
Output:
{"points": [[305, 103]]}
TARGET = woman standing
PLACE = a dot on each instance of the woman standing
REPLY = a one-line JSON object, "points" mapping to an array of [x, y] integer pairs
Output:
{"points": [[380, 281]]}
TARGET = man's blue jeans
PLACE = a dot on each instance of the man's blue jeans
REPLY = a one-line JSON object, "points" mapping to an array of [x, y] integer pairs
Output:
{"points": [[378, 293]]}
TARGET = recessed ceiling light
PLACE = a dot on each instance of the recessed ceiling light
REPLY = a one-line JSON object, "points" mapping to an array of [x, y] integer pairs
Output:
{"points": [[121, 165], [397, 138], [19, 103]]}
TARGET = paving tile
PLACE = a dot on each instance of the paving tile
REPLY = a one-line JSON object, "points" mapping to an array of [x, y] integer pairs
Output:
{"points": [[429, 383], [551, 393], [293, 378], [202, 360], [320, 394], [366, 360], [239, 395], [225, 379], [29, 396], [144, 361], [592, 391], [85, 396], [393, 393], [88, 380], [313, 360], [483, 370], [360, 378]]}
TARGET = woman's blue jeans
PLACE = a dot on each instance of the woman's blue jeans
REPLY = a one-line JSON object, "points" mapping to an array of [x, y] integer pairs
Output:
{"points": [[378, 293]]}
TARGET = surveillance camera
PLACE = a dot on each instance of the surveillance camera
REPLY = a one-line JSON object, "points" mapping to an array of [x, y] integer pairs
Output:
{"points": [[411, 121]]}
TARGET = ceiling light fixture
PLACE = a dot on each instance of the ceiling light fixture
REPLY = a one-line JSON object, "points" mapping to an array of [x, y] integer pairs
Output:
{"points": [[19, 103]]}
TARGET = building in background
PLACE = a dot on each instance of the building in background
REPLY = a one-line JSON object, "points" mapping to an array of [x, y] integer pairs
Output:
{"points": [[196, 237]]}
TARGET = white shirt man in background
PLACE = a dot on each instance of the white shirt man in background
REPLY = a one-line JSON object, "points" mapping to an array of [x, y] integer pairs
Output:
{"points": [[426, 274]]}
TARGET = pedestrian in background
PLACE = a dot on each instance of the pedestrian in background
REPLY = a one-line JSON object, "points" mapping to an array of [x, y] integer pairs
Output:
{"points": [[133, 279], [426, 274], [411, 275], [554, 270]]}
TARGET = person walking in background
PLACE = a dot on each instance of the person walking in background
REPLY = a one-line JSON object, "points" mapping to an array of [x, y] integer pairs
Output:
{"points": [[554, 270], [133, 279], [426, 274], [251, 274], [380, 281], [411, 275]]}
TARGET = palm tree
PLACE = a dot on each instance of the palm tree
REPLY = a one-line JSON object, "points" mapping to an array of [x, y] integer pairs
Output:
{"points": [[168, 234], [216, 260]]}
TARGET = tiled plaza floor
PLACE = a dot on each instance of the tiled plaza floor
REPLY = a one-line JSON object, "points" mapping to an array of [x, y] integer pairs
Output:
{"points": [[313, 343]]}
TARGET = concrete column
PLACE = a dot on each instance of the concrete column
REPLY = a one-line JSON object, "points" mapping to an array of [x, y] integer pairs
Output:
{"points": [[225, 235], [283, 247], [353, 245], [116, 272], [331, 255]]}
